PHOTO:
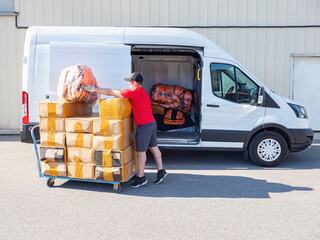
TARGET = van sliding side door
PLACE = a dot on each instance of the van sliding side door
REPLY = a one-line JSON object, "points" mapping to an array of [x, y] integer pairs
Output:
{"points": [[229, 105]]}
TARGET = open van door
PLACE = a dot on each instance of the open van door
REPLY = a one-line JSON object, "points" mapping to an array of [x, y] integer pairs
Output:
{"points": [[110, 63], [231, 105]]}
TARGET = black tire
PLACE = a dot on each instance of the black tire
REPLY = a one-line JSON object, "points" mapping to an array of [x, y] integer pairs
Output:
{"points": [[50, 182], [273, 149], [117, 188]]}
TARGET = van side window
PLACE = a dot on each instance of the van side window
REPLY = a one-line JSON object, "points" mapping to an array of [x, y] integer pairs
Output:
{"points": [[232, 84]]}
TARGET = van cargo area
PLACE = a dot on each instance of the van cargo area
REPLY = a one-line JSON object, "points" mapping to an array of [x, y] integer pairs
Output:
{"points": [[177, 67]]}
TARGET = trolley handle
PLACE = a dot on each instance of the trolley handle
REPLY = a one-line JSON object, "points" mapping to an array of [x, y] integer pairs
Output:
{"points": [[36, 149]]}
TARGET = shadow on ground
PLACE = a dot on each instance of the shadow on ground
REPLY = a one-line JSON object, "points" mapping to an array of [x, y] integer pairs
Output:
{"points": [[194, 186]]}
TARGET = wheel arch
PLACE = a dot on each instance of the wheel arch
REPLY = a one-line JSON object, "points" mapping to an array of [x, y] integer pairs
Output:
{"points": [[273, 127]]}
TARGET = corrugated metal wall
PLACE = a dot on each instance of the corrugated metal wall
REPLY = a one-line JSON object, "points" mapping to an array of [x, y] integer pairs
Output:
{"points": [[11, 51], [264, 51]]}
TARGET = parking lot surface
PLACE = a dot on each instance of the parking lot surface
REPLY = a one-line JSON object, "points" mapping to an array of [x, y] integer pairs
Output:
{"points": [[207, 195]]}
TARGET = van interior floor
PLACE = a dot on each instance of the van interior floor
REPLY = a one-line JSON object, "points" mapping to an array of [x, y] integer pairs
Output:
{"points": [[176, 137]]}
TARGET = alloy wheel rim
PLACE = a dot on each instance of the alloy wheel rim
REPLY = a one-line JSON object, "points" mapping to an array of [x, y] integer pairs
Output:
{"points": [[269, 150]]}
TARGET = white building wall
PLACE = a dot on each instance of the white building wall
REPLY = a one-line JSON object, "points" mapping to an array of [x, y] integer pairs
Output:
{"points": [[264, 51]]}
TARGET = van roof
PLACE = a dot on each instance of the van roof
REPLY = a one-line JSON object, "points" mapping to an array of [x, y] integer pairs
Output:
{"points": [[126, 35]]}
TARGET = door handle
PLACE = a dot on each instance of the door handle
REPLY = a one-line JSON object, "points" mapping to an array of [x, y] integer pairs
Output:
{"points": [[212, 105]]}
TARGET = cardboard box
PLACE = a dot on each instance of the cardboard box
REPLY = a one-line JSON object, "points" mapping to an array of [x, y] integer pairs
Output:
{"points": [[51, 139], [63, 109], [55, 169], [79, 124], [115, 108], [103, 126], [113, 143], [81, 170], [158, 109], [114, 158], [116, 174], [80, 155], [51, 125], [52, 154], [79, 140]]}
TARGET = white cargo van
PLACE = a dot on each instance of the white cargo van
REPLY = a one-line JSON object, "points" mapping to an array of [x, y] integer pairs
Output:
{"points": [[231, 109]]}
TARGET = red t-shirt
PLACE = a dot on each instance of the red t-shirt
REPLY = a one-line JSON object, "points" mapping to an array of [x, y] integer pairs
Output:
{"points": [[141, 105]]}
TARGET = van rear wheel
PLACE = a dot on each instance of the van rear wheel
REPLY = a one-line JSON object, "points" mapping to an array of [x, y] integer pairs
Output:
{"points": [[268, 149]]}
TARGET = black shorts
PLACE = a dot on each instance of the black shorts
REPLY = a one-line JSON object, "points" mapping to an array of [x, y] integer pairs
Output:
{"points": [[146, 136]]}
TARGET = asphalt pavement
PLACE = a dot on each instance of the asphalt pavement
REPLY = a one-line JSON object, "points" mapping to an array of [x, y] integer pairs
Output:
{"points": [[207, 195]]}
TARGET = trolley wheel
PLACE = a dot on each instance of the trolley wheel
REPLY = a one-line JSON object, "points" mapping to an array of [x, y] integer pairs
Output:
{"points": [[117, 188], [50, 182]]}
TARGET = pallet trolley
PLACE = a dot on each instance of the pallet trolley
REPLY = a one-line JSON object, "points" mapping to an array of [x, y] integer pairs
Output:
{"points": [[50, 181]]}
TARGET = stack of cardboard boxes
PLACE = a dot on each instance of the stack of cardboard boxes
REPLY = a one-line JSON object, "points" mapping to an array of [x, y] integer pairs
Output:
{"points": [[113, 141], [52, 134], [88, 147]]}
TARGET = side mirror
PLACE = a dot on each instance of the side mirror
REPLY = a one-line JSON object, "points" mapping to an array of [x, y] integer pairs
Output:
{"points": [[261, 96]]}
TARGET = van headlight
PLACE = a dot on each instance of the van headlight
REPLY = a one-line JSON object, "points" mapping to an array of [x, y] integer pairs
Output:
{"points": [[300, 111]]}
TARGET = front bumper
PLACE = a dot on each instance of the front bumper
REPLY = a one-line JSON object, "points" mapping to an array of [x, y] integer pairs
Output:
{"points": [[303, 139], [25, 132]]}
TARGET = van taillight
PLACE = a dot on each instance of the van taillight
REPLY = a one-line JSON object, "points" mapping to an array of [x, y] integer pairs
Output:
{"points": [[25, 108]]}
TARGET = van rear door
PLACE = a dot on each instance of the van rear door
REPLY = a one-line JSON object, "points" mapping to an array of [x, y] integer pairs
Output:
{"points": [[229, 105], [110, 63]]}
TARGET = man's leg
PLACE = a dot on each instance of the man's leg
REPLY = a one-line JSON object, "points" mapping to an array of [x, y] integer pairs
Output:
{"points": [[162, 174], [142, 158], [157, 156]]}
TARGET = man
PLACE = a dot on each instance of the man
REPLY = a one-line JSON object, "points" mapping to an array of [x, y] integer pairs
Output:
{"points": [[146, 132]]}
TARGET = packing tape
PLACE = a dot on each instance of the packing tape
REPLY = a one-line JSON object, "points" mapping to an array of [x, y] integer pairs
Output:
{"points": [[127, 108], [104, 126], [78, 106], [106, 158], [108, 143], [102, 108], [108, 174], [124, 157], [51, 139], [52, 112], [79, 140], [121, 142], [67, 112], [51, 124], [53, 170], [78, 169], [78, 127], [122, 127], [124, 172]]}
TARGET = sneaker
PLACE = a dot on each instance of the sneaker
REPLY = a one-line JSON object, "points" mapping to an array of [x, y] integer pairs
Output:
{"points": [[161, 175], [139, 182]]}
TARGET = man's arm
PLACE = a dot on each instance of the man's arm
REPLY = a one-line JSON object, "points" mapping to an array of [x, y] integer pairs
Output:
{"points": [[109, 92], [104, 91]]}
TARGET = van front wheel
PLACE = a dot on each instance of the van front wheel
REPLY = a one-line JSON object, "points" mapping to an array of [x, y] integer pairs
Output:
{"points": [[268, 149]]}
